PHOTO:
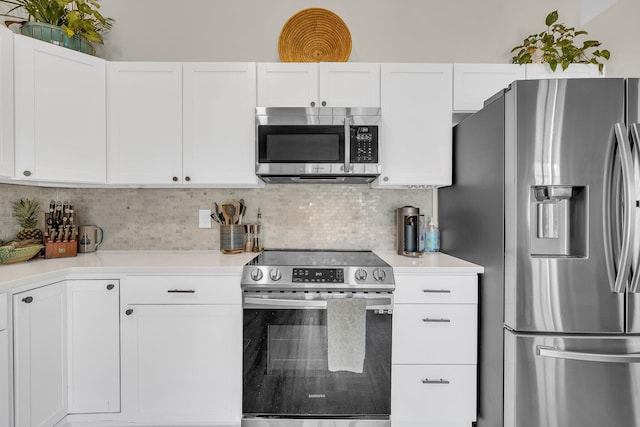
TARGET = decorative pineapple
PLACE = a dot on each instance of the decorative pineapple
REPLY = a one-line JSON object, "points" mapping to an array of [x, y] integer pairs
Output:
{"points": [[26, 212]]}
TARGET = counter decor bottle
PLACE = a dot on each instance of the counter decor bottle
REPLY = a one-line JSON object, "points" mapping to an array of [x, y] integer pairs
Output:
{"points": [[432, 238]]}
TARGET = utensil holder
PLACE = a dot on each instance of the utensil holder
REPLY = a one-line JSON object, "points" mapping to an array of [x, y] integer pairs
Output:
{"points": [[231, 239]]}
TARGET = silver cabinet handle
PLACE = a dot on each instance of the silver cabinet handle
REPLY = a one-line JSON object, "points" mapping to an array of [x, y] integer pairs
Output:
{"points": [[543, 351], [181, 291], [436, 291], [440, 381], [429, 319]]}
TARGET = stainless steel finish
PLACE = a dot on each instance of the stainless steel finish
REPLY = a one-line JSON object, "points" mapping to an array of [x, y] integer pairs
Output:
{"points": [[440, 381], [361, 270], [314, 300], [306, 422], [347, 150], [587, 357], [634, 286], [341, 173], [626, 158], [552, 268], [561, 392], [552, 147], [427, 319]]}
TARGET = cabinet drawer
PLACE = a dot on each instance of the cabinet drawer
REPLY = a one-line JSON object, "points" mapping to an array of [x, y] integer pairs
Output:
{"points": [[3, 311], [434, 333], [420, 289], [181, 290], [436, 394]]}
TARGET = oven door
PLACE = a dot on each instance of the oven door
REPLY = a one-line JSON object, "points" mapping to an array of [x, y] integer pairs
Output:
{"points": [[285, 367]]}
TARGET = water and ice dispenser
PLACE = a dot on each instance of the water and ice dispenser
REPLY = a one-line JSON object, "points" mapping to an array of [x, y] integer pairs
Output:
{"points": [[559, 221]]}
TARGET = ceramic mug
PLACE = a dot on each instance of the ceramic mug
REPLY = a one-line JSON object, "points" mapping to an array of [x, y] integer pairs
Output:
{"points": [[90, 237]]}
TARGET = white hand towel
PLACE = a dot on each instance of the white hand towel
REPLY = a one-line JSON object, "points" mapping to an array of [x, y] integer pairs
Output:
{"points": [[346, 334]]}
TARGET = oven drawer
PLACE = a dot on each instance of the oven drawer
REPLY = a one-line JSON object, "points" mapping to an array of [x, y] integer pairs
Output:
{"points": [[432, 289], [438, 394], [434, 333], [181, 290]]}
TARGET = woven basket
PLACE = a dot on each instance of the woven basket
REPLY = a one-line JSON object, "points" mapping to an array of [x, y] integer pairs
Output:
{"points": [[20, 254], [314, 35]]}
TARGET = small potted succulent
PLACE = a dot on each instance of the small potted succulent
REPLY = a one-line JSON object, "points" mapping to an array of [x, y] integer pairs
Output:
{"points": [[557, 46], [70, 23]]}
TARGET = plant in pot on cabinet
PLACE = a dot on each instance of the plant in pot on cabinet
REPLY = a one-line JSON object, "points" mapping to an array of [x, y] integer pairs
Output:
{"points": [[74, 24], [557, 45]]}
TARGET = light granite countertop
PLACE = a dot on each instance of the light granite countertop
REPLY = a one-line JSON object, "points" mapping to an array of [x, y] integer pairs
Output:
{"points": [[189, 262]]}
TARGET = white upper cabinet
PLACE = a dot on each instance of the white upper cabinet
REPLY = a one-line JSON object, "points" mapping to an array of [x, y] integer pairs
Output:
{"points": [[474, 83], [219, 124], [415, 141], [6, 103], [326, 84], [543, 71], [144, 118], [59, 114]]}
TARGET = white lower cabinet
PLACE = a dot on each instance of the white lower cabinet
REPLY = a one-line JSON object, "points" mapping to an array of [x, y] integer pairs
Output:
{"points": [[93, 346], [181, 357], [5, 385], [40, 356], [434, 376]]}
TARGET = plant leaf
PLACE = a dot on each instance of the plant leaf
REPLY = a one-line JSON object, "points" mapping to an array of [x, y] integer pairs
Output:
{"points": [[551, 18]]}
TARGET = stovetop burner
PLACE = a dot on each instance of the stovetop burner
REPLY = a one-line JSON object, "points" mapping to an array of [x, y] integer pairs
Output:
{"points": [[289, 269]]}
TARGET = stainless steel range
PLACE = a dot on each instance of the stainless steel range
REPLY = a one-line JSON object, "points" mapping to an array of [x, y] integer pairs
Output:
{"points": [[317, 339]]}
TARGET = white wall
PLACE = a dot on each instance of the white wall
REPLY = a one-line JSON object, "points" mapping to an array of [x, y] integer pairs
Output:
{"points": [[382, 30]]}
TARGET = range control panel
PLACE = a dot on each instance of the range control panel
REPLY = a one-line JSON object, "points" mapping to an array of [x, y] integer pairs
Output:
{"points": [[364, 144], [318, 275]]}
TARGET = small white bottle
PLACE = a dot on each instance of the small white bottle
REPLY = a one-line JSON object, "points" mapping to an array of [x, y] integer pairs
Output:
{"points": [[432, 240]]}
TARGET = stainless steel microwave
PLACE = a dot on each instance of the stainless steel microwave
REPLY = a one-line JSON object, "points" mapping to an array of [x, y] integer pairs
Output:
{"points": [[317, 145]]}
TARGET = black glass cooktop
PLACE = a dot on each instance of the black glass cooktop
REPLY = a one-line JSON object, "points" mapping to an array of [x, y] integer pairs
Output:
{"points": [[327, 258]]}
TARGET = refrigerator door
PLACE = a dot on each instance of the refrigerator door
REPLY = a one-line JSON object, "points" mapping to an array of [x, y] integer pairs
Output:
{"points": [[560, 381], [566, 229], [633, 120]]}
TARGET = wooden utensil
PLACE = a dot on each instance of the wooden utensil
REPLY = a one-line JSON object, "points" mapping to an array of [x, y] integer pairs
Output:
{"points": [[229, 213]]}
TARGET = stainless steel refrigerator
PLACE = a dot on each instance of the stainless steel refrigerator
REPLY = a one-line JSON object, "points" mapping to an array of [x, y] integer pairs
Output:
{"points": [[545, 194]]}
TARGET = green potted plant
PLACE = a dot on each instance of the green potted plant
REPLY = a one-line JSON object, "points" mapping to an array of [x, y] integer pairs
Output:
{"points": [[557, 45], [70, 23]]}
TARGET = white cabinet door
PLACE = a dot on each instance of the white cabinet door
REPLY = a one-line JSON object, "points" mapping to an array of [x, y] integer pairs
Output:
{"points": [[5, 385], [94, 346], [287, 84], [40, 363], [219, 124], [318, 85], [6, 103], [415, 141], [349, 84], [182, 363], [144, 118], [543, 71], [60, 117], [474, 83]]}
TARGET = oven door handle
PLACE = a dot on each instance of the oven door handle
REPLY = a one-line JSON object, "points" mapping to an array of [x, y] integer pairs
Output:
{"points": [[250, 302]]}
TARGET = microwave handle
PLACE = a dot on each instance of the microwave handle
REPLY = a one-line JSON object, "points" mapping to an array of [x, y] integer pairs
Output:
{"points": [[347, 144]]}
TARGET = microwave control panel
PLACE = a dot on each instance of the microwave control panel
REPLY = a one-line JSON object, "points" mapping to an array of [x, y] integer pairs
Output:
{"points": [[364, 144]]}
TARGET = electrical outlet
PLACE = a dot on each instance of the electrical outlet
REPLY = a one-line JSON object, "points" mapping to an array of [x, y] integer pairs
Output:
{"points": [[204, 218]]}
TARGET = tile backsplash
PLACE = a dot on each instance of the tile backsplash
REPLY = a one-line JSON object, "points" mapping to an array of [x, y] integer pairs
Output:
{"points": [[293, 216]]}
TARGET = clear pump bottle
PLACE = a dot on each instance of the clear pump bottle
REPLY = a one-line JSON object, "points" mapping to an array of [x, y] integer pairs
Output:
{"points": [[432, 238]]}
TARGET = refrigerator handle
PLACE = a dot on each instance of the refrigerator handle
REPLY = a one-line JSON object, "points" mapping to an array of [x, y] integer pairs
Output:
{"points": [[635, 138], [626, 160], [552, 352]]}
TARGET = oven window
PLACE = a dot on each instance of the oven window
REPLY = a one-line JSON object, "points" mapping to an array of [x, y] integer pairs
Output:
{"points": [[285, 370], [301, 144]]}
